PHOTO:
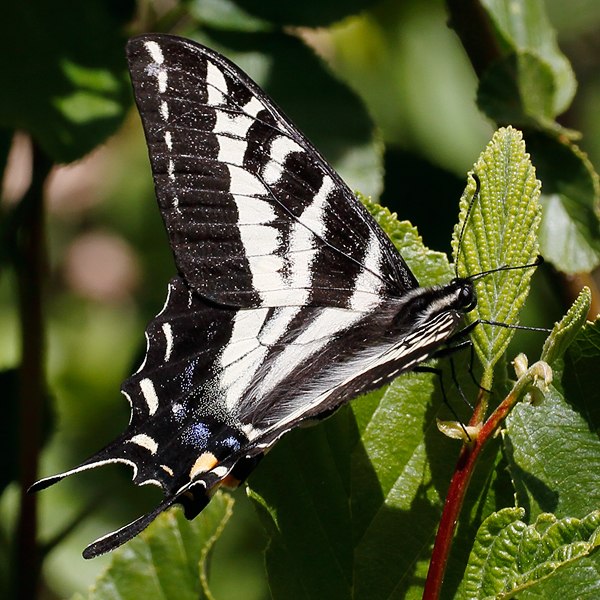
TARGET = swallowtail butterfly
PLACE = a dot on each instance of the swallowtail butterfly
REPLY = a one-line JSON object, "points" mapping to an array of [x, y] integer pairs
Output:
{"points": [[290, 299]]}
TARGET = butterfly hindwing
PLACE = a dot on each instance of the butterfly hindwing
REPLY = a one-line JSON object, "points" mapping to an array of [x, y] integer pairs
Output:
{"points": [[255, 215]]}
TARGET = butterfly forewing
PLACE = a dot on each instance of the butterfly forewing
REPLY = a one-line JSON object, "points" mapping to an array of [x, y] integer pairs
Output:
{"points": [[255, 216]]}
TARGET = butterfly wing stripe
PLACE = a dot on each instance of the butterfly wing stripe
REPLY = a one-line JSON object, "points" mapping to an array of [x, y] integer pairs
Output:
{"points": [[319, 332], [369, 369], [247, 325], [365, 279]]}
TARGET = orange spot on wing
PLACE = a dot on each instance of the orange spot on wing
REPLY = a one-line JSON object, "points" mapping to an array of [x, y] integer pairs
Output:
{"points": [[205, 462]]}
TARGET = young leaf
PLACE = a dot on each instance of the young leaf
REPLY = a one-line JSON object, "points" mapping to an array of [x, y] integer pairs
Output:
{"points": [[565, 331], [500, 231], [509, 556], [168, 560]]}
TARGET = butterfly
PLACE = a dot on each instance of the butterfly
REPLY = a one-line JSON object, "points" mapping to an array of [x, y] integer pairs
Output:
{"points": [[289, 301]]}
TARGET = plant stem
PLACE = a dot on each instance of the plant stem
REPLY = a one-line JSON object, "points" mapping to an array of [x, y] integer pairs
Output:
{"points": [[30, 267], [456, 495]]}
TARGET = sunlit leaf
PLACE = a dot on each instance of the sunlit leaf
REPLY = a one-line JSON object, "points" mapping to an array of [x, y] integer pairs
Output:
{"points": [[554, 448], [226, 14], [500, 231]]}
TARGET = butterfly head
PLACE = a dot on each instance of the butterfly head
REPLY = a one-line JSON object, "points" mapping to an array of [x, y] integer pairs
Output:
{"points": [[465, 296], [427, 305]]}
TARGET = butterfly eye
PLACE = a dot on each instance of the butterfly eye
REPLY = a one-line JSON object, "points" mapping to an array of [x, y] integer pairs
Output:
{"points": [[468, 297]]}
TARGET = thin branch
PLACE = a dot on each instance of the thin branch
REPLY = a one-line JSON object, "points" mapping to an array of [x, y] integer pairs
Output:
{"points": [[456, 495], [30, 253], [538, 375]]}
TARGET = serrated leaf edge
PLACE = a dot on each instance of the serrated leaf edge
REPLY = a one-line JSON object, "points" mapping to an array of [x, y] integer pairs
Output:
{"points": [[554, 539]]}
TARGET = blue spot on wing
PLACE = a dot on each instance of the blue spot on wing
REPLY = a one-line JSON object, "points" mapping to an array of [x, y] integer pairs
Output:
{"points": [[197, 435], [231, 442]]}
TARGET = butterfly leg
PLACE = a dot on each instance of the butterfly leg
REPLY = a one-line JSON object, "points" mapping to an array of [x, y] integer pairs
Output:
{"points": [[440, 374], [450, 350]]}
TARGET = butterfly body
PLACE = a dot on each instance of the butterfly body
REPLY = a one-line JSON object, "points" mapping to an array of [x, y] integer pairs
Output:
{"points": [[290, 299]]}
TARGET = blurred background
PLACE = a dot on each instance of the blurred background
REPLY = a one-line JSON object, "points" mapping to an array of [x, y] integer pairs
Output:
{"points": [[384, 89]]}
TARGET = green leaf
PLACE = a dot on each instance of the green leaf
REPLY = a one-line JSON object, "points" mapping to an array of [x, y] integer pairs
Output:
{"points": [[65, 62], [509, 556], [543, 81], [507, 92], [554, 449], [528, 87], [579, 580], [570, 229], [500, 231], [168, 560], [581, 378], [349, 516], [565, 331], [225, 14]]}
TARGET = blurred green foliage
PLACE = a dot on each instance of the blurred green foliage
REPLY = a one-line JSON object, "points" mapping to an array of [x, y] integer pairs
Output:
{"points": [[386, 91]]}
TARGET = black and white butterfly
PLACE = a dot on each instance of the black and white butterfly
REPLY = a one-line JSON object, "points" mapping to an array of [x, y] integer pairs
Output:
{"points": [[290, 299]]}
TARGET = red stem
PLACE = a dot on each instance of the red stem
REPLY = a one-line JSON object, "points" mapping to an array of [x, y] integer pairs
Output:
{"points": [[456, 495]]}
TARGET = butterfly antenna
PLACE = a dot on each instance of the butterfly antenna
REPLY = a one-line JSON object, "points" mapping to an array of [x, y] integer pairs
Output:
{"points": [[469, 209], [536, 263]]}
